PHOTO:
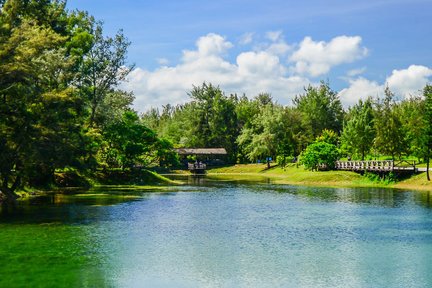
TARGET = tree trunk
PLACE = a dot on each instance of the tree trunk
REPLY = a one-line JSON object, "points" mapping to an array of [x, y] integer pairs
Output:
{"points": [[10, 196], [427, 168]]}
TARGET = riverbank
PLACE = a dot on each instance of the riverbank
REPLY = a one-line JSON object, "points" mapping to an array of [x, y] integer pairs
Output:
{"points": [[299, 176], [71, 180]]}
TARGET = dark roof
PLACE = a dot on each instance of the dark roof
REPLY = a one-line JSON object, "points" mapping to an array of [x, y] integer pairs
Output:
{"points": [[201, 151]]}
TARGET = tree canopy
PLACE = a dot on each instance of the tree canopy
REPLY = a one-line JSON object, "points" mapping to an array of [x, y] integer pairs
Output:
{"points": [[62, 106]]}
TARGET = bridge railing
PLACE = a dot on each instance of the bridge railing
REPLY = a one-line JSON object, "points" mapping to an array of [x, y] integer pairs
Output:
{"points": [[378, 165], [375, 165]]}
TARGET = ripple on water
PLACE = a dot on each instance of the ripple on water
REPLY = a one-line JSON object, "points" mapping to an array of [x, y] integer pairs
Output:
{"points": [[227, 235]]}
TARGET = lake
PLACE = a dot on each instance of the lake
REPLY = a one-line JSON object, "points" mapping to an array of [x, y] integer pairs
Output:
{"points": [[212, 233]]}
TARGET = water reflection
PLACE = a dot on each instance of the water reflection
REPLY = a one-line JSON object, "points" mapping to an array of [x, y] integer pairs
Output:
{"points": [[385, 197], [212, 233]]}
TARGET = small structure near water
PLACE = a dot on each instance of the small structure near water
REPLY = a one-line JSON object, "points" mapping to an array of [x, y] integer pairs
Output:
{"points": [[203, 157], [378, 166]]}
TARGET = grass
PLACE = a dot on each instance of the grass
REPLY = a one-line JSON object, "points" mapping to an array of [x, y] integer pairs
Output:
{"points": [[299, 176], [416, 182]]}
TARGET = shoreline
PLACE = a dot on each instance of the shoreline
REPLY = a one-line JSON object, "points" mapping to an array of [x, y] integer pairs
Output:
{"points": [[336, 179]]}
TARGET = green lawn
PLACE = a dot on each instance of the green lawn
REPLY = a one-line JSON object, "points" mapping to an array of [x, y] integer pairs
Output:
{"points": [[299, 176]]}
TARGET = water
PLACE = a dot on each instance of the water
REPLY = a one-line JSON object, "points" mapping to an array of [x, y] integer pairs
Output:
{"points": [[220, 234]]}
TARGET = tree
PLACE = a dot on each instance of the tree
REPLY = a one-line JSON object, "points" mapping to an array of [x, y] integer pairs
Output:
{"points": [[128, 142], [390, 138], [427, 93], [321, 109], [412, 114], [319, 153], [359, 131], [104, 67], [274, 131], [42, 115], [213, 121]]}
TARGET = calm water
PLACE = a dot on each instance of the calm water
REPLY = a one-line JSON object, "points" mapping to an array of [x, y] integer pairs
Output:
{"points": [[220, 234]]}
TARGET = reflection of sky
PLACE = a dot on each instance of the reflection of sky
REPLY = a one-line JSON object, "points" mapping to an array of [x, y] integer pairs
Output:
{"points": [[234, 236]]}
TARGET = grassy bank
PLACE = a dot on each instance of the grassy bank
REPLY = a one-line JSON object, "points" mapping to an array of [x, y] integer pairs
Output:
{"points": [[300, 176], [126, 180]]}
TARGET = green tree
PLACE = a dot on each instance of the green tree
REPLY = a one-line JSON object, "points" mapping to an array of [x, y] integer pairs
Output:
{"points": [[390, 137], [427, 138], [412, 114], [104, 67], [128, 142], [41, 114], [359, 131], [319, 153], [213, 122], [321, 109], [274, 131]]}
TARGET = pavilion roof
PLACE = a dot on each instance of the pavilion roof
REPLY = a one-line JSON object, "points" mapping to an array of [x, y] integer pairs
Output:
{"points": [[201, 151]]}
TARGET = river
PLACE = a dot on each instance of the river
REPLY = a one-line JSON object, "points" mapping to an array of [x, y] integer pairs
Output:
{"points": [[219, 234]]}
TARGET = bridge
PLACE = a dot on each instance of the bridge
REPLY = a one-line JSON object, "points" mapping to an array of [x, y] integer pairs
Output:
{"points": [[378, 166]]}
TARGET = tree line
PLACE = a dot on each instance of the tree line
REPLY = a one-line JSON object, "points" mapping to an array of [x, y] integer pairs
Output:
{"points": [[61, 108], [60, 102], [258, 128]]}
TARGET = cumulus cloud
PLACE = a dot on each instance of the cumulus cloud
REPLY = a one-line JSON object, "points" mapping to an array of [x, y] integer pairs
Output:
{"points": [[403, 83], [359, 88], [317, 58], [252, 72], [263, 69], [407, 82]]}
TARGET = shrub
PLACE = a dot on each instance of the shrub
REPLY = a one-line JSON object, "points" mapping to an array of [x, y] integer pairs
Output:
{"points": [[319, 153]]}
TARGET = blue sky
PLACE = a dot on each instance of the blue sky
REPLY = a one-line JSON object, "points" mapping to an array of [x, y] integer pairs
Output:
{"points": [[271, 46]]}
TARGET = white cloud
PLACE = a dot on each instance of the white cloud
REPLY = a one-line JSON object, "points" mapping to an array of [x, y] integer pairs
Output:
{"points": [[356, 72], [209, 45], [246, 38], [163, 61], [263, 70], [409, 81], [403, 83], [259, 64], [253, 72], [359, 88], [317, 58], [274, 35]]}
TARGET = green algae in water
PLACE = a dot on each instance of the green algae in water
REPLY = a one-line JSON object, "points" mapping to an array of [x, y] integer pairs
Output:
{"points": [[48, 255], [221, 234]]}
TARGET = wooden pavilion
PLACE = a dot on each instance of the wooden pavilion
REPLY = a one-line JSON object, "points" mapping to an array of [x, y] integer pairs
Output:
{"points": [[203, 157]]}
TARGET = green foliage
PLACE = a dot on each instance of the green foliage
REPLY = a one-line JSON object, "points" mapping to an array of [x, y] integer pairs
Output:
{"points": [[359, 131], [213, 119], [321, 109], [319, 154], [103, 68], [61, 107], [129, 142], [385, 179], [390, 135], [427, 134], [328, 136], [47, 74], [414, 125], [42, 115], [165, 154]]}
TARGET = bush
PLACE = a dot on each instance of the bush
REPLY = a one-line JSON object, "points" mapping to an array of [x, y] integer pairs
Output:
{"points": [[319, 154]]}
